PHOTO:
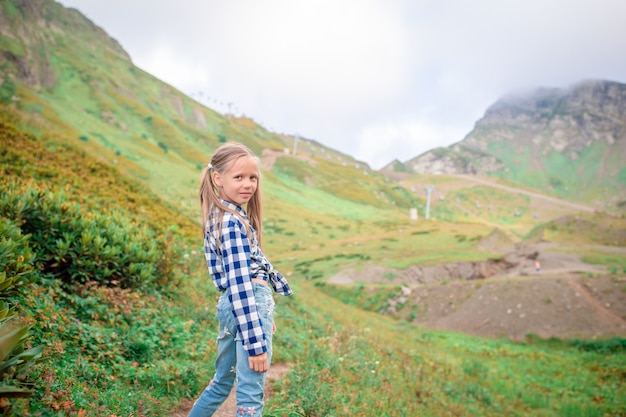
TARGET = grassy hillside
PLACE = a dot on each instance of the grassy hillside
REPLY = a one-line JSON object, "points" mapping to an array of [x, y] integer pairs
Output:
{"points": [[94, 149], [110, 351], [85, 90], [583, 179]]}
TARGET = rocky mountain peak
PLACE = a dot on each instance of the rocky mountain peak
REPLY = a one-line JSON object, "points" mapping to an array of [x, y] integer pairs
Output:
{"points": [[562, 120], [547, 137]]}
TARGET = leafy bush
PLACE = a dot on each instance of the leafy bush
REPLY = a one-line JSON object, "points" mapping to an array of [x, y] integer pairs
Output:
{"points": [[79, 247], [7, 90], [15, 358], [615, 345], [16, 256]]}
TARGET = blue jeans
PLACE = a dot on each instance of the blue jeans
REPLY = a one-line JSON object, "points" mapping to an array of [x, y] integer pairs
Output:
{"points": [[232, 360]]}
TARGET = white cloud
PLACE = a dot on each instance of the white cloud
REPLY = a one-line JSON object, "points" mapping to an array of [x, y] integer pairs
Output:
{"points": [[165, 63], [314, 64]]}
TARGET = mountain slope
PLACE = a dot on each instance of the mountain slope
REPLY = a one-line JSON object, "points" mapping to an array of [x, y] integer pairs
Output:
{"points": [[69, 79], [567, 142]]}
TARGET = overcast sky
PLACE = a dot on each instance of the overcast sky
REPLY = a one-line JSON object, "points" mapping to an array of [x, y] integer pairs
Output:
{"points": [[377, 79]]}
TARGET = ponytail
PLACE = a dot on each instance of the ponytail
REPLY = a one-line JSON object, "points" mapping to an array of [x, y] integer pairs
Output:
{"points": [[212, 207]]}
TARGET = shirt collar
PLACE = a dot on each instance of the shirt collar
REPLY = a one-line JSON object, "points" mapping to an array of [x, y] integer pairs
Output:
{"points": [[235, 207]]}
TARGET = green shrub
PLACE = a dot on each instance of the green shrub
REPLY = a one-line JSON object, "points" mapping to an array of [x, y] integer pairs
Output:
{"points": [[15, 358], [16, 256], [607, 346], [163, 146], [79, 247], [7, 90]]}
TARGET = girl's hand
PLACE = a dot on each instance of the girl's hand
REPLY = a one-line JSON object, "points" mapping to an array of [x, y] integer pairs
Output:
{"points": [[258, 363], [274, 328]]}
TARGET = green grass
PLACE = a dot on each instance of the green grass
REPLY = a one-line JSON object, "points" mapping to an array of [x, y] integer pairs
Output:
{"points": [[583, 178], [597, 228], [616, 264]]}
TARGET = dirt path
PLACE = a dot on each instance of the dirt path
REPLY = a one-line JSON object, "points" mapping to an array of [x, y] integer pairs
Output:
{"points": [[268, 158], [598, 309], [520, 262], [228, 409], [554, 200]]}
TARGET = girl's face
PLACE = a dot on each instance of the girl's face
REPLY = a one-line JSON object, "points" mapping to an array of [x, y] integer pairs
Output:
{"points": [[239, 183]]}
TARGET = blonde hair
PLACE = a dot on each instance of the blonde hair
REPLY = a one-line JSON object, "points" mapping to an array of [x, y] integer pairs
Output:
{"points": [[212, 207]]}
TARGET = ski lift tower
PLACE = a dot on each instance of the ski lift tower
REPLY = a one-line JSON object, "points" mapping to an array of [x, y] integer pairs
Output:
{"points": [[230, 111], [429, 189], [295, 144]]}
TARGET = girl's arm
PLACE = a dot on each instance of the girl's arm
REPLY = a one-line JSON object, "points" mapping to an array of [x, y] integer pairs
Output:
{"points": [[236, 258]]}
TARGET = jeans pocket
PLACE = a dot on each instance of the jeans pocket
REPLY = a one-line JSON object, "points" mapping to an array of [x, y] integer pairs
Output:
{"points": [[225, 318]]}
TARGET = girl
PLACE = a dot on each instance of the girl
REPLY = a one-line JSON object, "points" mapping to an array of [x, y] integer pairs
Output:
{"points": [[242, 273]]}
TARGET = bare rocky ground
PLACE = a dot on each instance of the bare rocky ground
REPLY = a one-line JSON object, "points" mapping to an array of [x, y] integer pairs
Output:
{"points": [[228, 409], [564, 305], [509, 298]]}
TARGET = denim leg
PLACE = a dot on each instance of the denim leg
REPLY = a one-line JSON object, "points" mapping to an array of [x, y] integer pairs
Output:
{"points": [[250, 401], [222, 383]]}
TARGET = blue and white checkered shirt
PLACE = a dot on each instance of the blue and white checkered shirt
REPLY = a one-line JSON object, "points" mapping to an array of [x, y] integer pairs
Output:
{"points": [[232, 267]]}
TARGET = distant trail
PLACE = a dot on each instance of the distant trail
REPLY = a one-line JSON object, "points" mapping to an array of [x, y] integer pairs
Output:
{"points": [[565, 203], [596, 306]]}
